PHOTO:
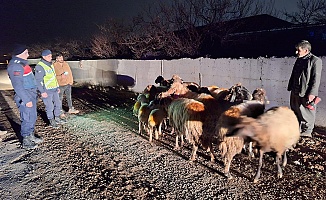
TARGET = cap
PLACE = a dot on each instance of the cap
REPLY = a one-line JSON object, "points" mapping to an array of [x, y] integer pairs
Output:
{"points": [[18, 49], [46, 52]]}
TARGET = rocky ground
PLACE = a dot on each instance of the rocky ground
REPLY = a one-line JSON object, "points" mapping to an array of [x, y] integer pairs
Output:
{"points": [[100, 155]]}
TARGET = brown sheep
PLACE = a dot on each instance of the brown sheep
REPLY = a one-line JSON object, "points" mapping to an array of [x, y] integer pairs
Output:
{"points": [[228, 146], [152, 91], [155, 121], [157, 117], [276, 130], [141, 98]]}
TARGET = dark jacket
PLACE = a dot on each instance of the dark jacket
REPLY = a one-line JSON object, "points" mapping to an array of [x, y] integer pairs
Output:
{"points": [[22, 79], [309, 77]]}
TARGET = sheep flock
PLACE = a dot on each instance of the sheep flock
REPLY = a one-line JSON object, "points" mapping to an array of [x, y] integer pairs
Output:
{"points": [[232, 119]]}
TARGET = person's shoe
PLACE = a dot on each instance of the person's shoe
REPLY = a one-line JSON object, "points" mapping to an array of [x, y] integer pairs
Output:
{"points": [[72, 110], [53, 123], [35, 139], [58, 120], [63, 116], [28, 143], [305, 134]]}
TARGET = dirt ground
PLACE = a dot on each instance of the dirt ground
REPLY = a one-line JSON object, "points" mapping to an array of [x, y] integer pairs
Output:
{"points": [[100, 155]]}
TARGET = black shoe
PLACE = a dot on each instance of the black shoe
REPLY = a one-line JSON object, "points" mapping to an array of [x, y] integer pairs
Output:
{"points": [[28, 143], [36, 140], [53, 123]]}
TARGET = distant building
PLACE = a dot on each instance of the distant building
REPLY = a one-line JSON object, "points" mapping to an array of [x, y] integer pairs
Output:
{"points": [[262, 36]]}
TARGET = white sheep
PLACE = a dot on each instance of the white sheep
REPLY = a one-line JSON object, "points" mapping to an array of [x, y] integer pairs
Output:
{"points": [[187, 117], [277, 130]]}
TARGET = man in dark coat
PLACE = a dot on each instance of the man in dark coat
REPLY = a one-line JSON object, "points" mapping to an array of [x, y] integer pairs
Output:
{"points": [[304, 84], [24, 84]]}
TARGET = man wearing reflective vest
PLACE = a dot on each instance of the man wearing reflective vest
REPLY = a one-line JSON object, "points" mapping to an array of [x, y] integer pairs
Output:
{"points": [[48, 86]]}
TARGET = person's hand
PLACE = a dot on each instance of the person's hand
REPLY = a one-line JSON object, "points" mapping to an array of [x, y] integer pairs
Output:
{"points": [[311, 98], [29, 104], [44, 95], [58, 90]]}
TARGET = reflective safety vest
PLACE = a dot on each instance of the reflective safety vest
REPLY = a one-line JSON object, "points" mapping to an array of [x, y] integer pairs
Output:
{"points": [[50, 80]]}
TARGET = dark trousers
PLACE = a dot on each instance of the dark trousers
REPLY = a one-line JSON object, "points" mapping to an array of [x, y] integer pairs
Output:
{"points": [[66, 89], [306, 117], [52, 104], [28, 115]]}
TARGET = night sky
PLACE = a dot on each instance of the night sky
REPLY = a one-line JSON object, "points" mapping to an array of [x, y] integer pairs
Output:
{"points": [[30, 21]]}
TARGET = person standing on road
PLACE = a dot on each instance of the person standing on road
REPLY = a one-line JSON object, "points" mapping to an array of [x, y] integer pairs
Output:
{"points": [[65, 80], [24, 84], [304, 85], [48, 86]]}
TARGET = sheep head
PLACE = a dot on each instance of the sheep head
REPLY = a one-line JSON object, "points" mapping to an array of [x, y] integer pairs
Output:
{"points": [[238, 93]]}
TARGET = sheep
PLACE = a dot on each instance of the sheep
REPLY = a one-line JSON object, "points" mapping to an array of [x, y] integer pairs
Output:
{"points": [[229, 147], [198, 125], [141, 98], [143, 115], [187, 117], [162, 82], [179, 88], [152, 91], [157, 116], [276, 130]]}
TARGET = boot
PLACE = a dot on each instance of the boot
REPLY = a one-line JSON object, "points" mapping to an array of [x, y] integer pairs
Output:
{"points": [[28, 143], [53, 123], [58, 120], [36, 140], [72, 110]]}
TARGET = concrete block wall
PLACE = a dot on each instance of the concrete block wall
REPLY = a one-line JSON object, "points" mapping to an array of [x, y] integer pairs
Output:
{"points": [[272, 74]]}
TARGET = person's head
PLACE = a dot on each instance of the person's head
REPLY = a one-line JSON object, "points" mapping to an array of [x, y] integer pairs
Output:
{"points": [[59, 57], [303, 48], [47, 55], [20, 51]]}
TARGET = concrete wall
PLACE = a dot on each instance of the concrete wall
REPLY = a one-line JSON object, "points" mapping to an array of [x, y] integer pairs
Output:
{"points": [[272, 74]]}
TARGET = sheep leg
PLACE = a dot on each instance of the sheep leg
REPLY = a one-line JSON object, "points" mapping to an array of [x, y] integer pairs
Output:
{"points": [[182, 142], [251, 153], [176, 147], [227, 163], [159, 131], [150, 134], [193, 153], [211, 152], [285, 159], [261, 153], [140, 128], [279, 169]]}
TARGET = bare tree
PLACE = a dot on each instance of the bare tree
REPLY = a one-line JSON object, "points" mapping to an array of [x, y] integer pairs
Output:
{"points": [[178, 28], [108, 42], [309, 12], [70, 48]]}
